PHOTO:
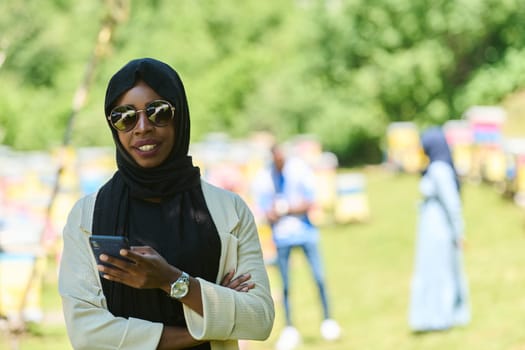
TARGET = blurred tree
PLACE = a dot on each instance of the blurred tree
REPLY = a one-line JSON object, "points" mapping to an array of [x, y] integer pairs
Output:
{"points": [[423, 61], [44, 61], [340, 70]]}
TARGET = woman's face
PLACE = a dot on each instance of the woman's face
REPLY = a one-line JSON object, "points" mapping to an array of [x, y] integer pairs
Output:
{"points": [[147, 144]]}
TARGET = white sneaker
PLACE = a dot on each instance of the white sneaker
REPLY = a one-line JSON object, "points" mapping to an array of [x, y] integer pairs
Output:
{"points": [[330, 330], [289, 339]]}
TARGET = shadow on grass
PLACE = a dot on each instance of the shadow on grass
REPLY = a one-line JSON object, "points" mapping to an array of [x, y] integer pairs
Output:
{"points": [[423, 333]]}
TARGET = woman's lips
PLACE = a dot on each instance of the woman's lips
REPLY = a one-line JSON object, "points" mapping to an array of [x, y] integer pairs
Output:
{"points": [[147, 149]]}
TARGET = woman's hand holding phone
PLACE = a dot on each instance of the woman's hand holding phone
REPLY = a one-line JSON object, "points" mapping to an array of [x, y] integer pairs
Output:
{"points": [[143, 266]]}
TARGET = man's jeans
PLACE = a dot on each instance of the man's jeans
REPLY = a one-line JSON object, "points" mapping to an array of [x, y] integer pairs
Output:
{"points": [[313, 256]]}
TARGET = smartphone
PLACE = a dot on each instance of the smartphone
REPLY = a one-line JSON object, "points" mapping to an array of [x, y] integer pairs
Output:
{"points": [[109, 245]]}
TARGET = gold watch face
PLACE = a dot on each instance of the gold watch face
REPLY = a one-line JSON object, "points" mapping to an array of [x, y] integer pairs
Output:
{"points": [[180, 288]]}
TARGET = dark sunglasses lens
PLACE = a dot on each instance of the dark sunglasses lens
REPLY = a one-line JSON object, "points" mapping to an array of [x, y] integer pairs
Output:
{"points": [[159, 112], [124, 118]]}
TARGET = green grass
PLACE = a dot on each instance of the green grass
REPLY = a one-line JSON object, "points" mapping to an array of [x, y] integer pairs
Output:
{"points": [[368, 268]]}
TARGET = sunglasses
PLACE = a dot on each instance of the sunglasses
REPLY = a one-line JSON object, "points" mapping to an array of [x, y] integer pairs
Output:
{"points": [[125, 117]]}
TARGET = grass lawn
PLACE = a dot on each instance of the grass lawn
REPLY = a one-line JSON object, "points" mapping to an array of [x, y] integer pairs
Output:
{"points": [[368, 268]]}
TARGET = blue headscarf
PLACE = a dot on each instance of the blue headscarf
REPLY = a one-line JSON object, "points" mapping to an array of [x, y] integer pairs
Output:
{"points": [[436, 148]]}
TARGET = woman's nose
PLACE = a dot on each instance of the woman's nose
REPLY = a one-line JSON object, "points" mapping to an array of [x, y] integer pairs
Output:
{"points": [[143, 122]]}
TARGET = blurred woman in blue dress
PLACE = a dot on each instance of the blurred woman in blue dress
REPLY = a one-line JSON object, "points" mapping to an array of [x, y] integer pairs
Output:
{"points": [[439, 295]]}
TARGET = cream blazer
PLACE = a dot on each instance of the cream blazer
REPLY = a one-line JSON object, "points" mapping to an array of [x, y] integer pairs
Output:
{"points": [[228, 315]]}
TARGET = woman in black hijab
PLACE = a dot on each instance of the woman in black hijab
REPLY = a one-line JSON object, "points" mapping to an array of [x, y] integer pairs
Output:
{"points": [[185, 235]]}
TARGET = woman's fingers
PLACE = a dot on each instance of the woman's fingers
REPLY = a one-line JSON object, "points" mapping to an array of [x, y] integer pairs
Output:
{"points": [[141, 250], [240, 283], [242, 278], [227, 278], [244, 287], [120, 262]]}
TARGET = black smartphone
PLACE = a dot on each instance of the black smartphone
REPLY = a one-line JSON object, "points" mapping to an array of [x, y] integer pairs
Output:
{"points": [[109, 245]]}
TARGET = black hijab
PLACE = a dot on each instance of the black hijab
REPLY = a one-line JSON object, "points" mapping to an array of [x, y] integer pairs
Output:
{"points": [[187, 227], [436, 148]]}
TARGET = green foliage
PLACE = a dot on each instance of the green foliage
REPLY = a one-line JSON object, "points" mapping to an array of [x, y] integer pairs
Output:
{"points": [[340, 70], [43, 64]]}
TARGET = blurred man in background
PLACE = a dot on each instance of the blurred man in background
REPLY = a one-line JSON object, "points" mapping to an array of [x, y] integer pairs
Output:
{"points": [[285, 193]]}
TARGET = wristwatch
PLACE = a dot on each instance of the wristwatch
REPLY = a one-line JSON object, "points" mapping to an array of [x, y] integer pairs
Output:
{"points": [[181, 287]]}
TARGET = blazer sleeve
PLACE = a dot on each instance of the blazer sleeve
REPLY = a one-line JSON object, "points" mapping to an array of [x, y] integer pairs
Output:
{"points": [[228, 314], [89, 324]]}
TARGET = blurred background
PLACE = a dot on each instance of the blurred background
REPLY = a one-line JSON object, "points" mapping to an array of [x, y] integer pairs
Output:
{"points": [[349, 84]]}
